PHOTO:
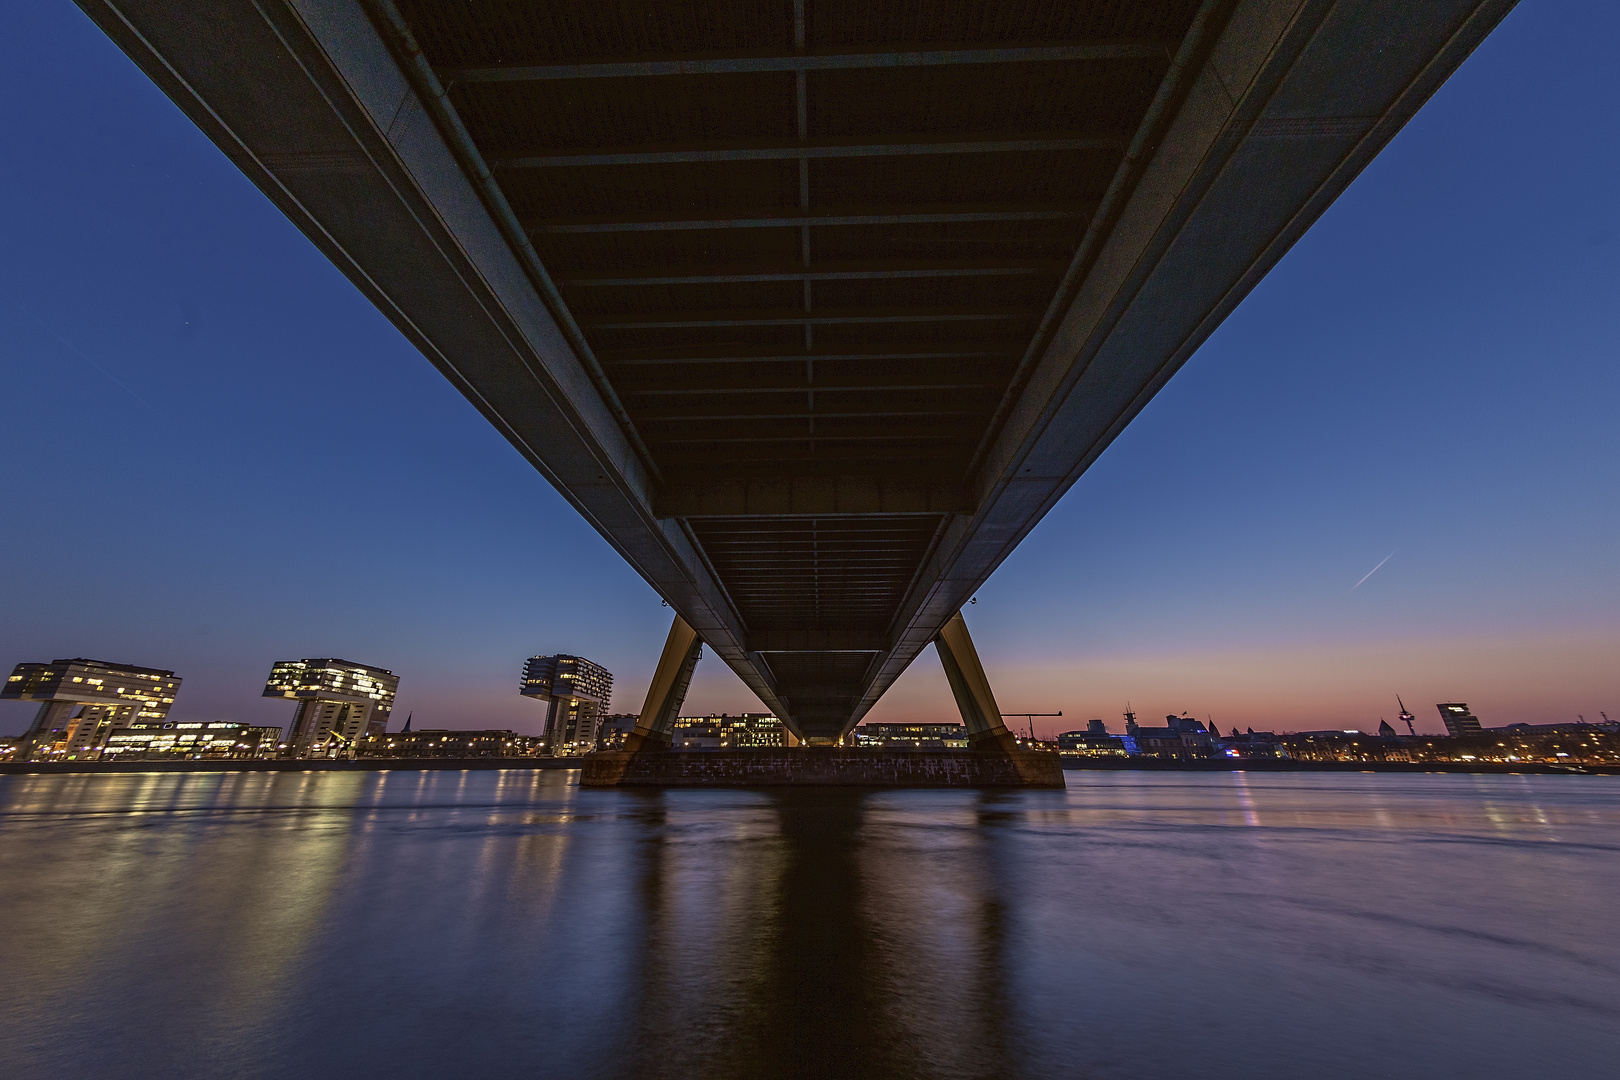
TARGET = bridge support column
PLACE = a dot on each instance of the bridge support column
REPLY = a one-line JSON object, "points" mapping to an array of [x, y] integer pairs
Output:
{"points": [[980, 713], [656, 724]]}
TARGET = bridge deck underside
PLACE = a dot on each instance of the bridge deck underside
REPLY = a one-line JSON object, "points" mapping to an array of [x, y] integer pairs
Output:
{"points": [[812, 308], [818, 253]]}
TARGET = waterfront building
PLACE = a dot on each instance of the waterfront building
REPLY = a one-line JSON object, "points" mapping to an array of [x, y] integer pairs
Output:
{"points": [[82, 700], [339, 701], [755, 729], [1458, 720], [912, 736], [1549, 729], [1252, 744], [1095, 741], [195, 739], [447, 743], [577, 692], [698, 736], [728, 731], [1181, 737], [1347, 745], [616, 727]]}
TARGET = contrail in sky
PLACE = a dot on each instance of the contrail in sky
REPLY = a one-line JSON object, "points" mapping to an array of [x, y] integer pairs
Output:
{"points": [[1374, 570], [76, 351]]}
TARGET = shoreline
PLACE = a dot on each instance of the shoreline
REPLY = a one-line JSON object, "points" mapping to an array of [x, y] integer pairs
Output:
{"points": [[1498, 768], [283, 765], [14, 768]]}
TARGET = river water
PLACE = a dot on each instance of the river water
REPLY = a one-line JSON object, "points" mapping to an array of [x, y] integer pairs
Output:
{"points": [[495, 924]]}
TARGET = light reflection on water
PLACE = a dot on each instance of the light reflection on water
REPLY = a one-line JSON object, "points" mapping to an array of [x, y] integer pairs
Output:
{"points": [[1136, 925]]}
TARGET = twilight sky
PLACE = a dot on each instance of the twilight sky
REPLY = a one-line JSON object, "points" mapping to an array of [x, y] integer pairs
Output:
{"points": [[216, 454]]}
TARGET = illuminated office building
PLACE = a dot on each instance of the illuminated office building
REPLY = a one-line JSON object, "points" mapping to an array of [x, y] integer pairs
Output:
{"points": [[615, 729], [1458, 720], [82, 700], [1095, 741], [338, 701], [578, 692], [449, 743], [729, 731], [218, 739], [753, 729], [912, 736]]}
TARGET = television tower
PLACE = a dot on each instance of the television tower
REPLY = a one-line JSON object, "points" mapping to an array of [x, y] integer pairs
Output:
{"points": [[1406, 717]]}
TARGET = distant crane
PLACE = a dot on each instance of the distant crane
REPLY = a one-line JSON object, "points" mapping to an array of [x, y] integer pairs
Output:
{"points": [[1029, 718], [1406, 717]]}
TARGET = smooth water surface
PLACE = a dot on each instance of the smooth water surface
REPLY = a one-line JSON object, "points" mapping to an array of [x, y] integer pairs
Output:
{"points": [[493, 924]]}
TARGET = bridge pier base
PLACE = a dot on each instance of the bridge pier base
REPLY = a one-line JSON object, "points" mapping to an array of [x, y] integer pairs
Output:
{"points": [[819, 766]]}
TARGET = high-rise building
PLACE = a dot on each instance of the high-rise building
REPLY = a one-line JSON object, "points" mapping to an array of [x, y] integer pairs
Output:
{"points": [[338, 701], [83, 700], [578, 692], [1458, 720]]}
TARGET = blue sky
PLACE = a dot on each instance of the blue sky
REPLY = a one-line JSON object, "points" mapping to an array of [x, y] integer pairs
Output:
{"points": [[217, 454]]}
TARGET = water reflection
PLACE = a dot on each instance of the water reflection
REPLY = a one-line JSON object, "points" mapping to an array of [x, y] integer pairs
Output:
{"points": [[494, 924]]}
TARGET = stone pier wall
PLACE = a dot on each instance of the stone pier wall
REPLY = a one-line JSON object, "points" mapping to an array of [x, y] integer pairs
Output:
{"points": [[823, 766]]}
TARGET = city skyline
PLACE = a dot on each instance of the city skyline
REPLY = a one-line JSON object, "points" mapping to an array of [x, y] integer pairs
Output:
{"points": [[1422, 387]]}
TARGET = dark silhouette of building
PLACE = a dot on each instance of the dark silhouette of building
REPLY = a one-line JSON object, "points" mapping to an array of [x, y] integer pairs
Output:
{"points": [[1181, 737], [1458, 720]]}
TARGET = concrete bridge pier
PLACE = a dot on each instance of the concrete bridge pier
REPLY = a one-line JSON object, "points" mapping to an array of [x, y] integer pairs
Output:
{"points": [[656, 726], [994, 759], [974, 699]]}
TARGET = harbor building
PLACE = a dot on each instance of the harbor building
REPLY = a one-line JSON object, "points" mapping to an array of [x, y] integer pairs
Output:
{"points": [[196, 739], [339, 701], [448, 743], [616, 727], [912, 736], [1094, 741], [577, 692], [730, 731], [1181, 737], [1458, 719], [753, 729], [82, 700]]}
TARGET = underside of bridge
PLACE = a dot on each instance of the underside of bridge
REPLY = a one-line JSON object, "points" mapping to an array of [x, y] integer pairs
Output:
{"points": [[815, 307]]}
